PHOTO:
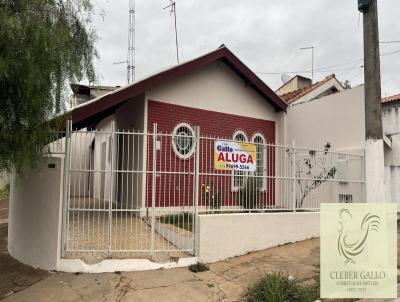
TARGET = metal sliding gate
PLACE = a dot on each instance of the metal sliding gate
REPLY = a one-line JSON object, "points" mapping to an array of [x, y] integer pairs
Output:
{"points": [[126, 195]]}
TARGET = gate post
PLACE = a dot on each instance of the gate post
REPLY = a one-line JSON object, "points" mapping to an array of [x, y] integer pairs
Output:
{"points": [[196, 187], [110, 218], [294, 178], [153, 187], [64, 235], [196, 172]]}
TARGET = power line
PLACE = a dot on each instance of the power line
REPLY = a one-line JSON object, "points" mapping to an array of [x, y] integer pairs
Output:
{"points": [[388, 42], [324, 69]]}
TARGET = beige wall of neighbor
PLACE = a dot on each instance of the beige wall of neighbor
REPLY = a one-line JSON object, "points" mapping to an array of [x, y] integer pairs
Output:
{"points": [[35, 217], [217, 88], [337, 118], [295, 83], [224, 236]]}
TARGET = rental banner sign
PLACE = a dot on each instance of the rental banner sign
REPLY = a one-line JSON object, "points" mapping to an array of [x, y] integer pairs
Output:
{"points": [[234, 156]]}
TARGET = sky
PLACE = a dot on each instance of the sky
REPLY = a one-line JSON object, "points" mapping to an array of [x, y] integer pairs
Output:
{"points": [[265, 35]]}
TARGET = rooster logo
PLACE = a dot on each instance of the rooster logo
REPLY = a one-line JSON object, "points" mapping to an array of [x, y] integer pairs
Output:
{"points": [[347, 248]]}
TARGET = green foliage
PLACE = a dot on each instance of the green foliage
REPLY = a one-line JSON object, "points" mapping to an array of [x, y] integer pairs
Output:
{"points": [[249, 195], [182, 220], [44, 45], [278, 287], [5, 191], [198, 267]]}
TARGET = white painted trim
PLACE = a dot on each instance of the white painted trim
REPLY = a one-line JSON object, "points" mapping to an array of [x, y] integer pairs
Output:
{"points": [[173, 137], [387, 141], [318, 91], [265, 168], [120, 265]]}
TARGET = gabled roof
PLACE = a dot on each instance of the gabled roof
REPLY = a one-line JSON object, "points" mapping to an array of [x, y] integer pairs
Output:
{"points": [[293, 96], [102, 106], [390, 99]]}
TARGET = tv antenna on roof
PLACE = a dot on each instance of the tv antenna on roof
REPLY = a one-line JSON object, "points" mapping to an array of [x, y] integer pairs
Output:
{"points": [[173, 10], [312, 60]]}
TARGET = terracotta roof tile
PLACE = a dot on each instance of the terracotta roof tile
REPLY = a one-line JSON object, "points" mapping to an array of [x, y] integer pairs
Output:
{"points": [[392, 98], [295, 95]]}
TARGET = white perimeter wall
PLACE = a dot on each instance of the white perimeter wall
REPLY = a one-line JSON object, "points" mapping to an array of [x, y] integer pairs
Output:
{"points": [[217, 88], [228, 235], [34, 231], [337, 118]]}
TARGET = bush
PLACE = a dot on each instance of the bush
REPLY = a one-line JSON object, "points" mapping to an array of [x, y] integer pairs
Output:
{"points": [[5, 191], [249, 195], [198, 267], [278, 287], [182, 220]]}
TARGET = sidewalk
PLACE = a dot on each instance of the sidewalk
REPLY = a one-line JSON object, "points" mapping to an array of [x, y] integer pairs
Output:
{"points": [[225, 281]]}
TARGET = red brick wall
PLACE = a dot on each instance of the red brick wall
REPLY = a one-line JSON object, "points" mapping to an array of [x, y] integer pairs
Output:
{"points": [[177, 190]]}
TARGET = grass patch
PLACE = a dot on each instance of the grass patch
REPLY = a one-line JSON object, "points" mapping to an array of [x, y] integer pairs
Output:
{"points": [[279, 287], [183, 220], [198, 267], [5, 192]]}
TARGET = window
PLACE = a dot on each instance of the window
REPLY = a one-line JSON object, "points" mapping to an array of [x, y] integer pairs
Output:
{"points": [[239, 177], [259, 140], [183, 140]]}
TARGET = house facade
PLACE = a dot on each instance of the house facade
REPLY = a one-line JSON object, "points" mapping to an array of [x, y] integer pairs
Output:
{"points": [[216, 94]]}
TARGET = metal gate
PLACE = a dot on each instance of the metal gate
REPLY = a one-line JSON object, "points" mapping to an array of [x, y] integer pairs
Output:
{"points": [[127, 195], [135, 194]]}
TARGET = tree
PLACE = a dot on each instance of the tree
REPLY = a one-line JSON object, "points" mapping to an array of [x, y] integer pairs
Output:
{"points": [[44, 45], [346, 84]]}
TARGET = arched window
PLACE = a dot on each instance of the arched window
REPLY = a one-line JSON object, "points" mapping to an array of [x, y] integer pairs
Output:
{"points": [[239, 177], [261, 162], [183, 140]]}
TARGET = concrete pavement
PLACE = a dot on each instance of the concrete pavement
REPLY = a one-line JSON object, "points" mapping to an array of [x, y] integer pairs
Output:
{"points": [[225, 281]]}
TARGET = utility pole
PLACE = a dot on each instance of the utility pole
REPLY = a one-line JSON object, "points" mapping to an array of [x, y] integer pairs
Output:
{"points": [[374, 148]]}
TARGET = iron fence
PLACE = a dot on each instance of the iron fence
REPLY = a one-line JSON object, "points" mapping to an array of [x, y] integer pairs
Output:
{"points": [[128, 193]]}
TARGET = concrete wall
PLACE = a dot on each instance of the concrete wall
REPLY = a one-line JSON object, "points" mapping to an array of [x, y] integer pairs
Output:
{"points": [[337, 118], [228, 235], [391, 119], [34, 232], [297, 82], [102, 181], [217, 88]]}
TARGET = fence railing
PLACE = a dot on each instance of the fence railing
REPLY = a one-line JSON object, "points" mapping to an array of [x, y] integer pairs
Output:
{"points": [[128, 191]]}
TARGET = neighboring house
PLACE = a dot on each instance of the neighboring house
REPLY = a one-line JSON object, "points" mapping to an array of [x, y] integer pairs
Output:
{"points": [[391, 128], [83, 93], [300, 89], [338, 118], [215, 92]]}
